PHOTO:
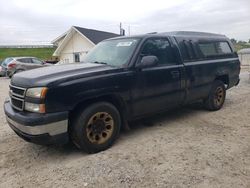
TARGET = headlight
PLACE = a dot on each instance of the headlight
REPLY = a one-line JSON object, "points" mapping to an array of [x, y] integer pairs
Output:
{"points": [[38, 92], [32, 107]]}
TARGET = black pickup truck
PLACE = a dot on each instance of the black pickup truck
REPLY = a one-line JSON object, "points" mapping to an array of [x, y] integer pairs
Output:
{"points": [[120, 80]]}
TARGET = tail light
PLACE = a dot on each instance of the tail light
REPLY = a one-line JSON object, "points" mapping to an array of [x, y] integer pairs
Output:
{"points": [[12, 64]]}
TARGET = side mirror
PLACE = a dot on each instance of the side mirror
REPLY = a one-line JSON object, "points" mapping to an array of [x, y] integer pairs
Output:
{"points": [[148, 61]]}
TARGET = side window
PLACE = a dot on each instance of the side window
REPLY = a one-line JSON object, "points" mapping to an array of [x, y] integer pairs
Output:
{"points": [[36, 61], [223, 48], [189, 47], [183, 49], [25, 60], [21, 60], [29, 60], [209, 49], [76, 57], [189, 50], [160, 47]]}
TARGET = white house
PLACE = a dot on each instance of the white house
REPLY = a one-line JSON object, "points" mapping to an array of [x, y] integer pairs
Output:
{"points": [[73, 45], [244, 56]]}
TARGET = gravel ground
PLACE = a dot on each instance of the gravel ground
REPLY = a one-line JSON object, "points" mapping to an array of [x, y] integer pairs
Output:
{"points": [[187, 147]]}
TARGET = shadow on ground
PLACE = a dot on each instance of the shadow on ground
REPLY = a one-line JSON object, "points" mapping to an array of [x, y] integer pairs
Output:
{"points": [[135, 127]]}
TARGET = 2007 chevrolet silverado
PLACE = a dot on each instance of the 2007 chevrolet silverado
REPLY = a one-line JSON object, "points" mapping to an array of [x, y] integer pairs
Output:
{"points": [[120, 80]]}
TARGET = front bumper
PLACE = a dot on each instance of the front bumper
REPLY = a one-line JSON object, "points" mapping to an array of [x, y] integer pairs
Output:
{"points": [[3, 72], [51, 128]]}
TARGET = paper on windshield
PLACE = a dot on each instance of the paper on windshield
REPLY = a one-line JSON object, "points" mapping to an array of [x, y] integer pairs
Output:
{"points": [[124, 43]]}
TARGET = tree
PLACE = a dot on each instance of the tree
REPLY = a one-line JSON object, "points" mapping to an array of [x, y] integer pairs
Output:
{"points": [[242, 42], [233, 41]]}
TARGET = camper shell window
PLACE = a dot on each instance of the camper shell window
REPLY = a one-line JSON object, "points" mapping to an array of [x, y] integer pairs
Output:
{"points": [[212, 49]]}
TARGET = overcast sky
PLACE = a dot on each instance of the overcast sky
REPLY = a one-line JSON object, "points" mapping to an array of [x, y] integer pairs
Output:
{"points": [[29, 21]]}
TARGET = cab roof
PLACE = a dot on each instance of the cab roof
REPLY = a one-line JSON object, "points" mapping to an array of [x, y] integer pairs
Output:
{"points": [[182, 34]]}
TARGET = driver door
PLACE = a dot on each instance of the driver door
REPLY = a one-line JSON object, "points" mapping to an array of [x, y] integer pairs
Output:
{"points": [[158, 87]]}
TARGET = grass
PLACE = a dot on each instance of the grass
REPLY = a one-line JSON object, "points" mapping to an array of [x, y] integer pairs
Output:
{"points": [[241, 46], [41, 53]]}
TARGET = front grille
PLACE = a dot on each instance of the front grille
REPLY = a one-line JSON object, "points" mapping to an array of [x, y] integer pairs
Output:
{"points": [[17, 103], [17, 91], [17, 95]]}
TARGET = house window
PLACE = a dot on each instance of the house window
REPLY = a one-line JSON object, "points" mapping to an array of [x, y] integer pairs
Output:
{"points": [[76, 57]]}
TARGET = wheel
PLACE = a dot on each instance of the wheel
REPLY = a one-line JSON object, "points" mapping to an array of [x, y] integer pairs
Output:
{"points": [[96, 128], [216, 97]]}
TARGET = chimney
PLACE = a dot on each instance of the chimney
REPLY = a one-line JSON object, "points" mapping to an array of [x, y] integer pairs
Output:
{"points": [[122, 31]]}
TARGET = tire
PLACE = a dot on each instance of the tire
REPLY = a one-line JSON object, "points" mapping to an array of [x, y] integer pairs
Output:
{"points": [[216, 97], [96, 127]]}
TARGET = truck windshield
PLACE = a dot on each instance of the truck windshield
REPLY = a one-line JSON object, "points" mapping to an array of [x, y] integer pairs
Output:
{"points": [[112, 52]]}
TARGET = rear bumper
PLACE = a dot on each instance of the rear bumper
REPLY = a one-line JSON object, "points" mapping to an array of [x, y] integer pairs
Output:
{"points": [[38, 128]]}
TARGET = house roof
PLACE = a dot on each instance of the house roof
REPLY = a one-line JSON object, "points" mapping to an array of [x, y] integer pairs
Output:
{"points": [[94, 35], [91, 35], [59, 38]]}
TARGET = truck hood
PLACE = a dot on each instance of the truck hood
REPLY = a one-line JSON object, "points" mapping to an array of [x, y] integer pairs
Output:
{"points": [[50, 75]]}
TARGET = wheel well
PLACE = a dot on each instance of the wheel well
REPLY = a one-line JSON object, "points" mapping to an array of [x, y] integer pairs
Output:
{"points": [[113, 99], [224, 79]]}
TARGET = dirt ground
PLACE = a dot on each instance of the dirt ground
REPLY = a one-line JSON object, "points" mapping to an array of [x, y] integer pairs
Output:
{"points": [[187, 147]]}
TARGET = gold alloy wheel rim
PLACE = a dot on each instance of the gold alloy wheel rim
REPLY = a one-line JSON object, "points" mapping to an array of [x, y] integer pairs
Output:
{"points": [[100, 127], [219, 96]]}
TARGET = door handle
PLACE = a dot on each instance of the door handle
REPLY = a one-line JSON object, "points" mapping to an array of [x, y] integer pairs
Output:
{"points": [[175, 74]]}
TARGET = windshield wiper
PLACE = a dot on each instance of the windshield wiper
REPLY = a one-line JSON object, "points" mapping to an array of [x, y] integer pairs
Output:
{"points": [[99, 62]]}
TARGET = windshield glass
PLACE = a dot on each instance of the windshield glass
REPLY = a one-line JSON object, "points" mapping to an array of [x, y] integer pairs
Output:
{"points": [[113, 52], [6, 61]]}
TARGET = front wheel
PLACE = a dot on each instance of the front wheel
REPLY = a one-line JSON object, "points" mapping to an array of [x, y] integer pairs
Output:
{"points": [[96, 127], [216, 97]]}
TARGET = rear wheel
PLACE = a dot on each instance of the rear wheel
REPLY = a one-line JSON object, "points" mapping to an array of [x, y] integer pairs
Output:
{"points": [[216, 97], [96, 128]]}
